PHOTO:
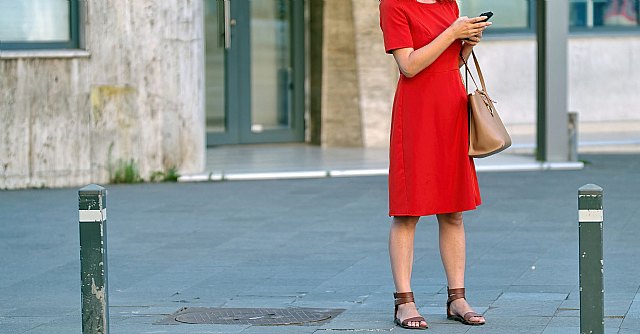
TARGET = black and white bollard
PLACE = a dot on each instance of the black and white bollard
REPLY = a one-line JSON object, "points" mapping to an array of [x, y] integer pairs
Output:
{"points": [[92, 206], [590, 223]]}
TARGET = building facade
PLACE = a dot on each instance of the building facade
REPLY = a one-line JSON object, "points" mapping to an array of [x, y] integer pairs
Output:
{"points": [[87, 86], [116, 82]]}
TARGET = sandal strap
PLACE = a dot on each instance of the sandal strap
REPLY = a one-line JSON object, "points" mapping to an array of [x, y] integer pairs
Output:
{"points": [[403, 297], [454, 294], [470, 315]]}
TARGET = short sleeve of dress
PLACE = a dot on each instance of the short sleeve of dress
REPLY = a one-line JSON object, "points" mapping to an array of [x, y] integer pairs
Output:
{"points": [[395, 26]]}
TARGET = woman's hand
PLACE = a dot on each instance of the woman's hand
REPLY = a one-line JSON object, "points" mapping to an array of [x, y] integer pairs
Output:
{"points": [[473, 40], [465, 27], [467, 47]]}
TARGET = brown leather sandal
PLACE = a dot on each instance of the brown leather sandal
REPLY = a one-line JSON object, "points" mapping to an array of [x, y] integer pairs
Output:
{"points": [[455, 294], [403, 298]]}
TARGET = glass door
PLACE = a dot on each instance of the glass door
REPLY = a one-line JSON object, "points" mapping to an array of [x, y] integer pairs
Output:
{"points": [[254, 71], [217, 44]]}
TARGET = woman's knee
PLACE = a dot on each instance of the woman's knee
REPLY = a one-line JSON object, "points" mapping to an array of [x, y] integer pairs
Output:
{"points": [[454, 218], [406, 220]]}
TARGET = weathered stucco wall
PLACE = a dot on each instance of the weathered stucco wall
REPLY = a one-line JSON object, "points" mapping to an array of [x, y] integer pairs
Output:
{"points": [[138, 96]]}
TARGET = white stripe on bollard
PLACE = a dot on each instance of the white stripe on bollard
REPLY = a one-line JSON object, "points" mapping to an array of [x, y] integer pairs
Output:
{"points": [[590, 216], [91, 216]]}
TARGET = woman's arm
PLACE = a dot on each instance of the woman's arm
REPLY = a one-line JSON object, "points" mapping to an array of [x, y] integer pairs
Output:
{"points": [[412, 62], [467, 47]]}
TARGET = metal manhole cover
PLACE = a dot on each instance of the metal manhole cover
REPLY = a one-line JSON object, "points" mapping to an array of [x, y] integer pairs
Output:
{"points": [[252, 316]]}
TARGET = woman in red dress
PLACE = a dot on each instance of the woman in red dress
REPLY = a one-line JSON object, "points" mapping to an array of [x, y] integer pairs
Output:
{"points": [[430, 172]]}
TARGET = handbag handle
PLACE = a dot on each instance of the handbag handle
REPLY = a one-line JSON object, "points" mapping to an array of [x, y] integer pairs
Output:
{"points": [[475, 60]]}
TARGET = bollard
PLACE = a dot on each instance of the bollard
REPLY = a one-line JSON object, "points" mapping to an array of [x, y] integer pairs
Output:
{"points": [[93, 259], [590, 218]]}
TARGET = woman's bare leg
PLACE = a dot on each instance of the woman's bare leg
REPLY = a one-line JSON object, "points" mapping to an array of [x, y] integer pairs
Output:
{"points": [[452, 252], [401, 254]]}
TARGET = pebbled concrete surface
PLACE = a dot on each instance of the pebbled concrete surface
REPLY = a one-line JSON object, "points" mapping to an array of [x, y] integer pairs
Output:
{"points": [[319, 243]]}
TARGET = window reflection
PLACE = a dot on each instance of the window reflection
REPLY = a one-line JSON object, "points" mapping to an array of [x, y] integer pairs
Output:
{"points": [[215, 68], [591, 14], [604, 13], [621, 12], [512, 14], [34, 20], [270, 65]]}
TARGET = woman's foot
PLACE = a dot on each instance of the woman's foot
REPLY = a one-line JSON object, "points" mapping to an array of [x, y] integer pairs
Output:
{"points": [[460, 307], [459, 310], [407, 311]]}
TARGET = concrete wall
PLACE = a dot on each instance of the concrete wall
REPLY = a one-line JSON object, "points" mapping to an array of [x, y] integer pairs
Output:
{"points": [[603, 81], [67, 119]]}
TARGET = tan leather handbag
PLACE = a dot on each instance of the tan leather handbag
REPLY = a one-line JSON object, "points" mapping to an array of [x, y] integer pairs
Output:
{"points": [[487, 134]]}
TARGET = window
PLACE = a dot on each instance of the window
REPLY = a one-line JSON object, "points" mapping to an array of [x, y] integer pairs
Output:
{"points": [[38, 24], [584, 15], [604, 14], [510, 16]]}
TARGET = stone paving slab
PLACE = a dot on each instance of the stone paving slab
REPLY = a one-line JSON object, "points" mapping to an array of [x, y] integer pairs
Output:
{"points": [[319, 243]]}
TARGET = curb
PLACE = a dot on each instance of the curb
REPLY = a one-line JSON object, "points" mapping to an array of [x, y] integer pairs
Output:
{"points": [[318, 174]]}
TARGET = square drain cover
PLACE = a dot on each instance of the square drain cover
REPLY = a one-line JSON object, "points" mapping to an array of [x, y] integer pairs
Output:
{"points": [[250, 316]]}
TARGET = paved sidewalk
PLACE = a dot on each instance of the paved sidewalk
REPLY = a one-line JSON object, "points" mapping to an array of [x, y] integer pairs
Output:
{"points": [[295, 161], [319, 243], [308, 161]]}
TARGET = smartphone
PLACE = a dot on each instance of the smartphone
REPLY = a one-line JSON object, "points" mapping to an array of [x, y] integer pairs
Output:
{"points": [[487, 14]]}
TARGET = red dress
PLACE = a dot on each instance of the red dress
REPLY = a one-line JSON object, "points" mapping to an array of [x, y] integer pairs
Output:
{"points": [[430, 171]]}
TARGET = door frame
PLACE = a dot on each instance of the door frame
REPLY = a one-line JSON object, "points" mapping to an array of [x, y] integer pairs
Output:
{"points": [[237, 77]]}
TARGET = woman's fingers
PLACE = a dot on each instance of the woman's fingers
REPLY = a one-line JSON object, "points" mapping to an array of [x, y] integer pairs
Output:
{"points": [[476, 30], [473, 40], [466, 27], [481, 24], [478, 19], [472, 32]]}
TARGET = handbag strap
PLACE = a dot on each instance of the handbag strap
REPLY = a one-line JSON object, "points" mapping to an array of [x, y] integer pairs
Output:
{"points": [[466, 66]]}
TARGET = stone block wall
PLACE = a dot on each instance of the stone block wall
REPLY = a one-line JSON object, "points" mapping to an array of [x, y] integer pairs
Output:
{"points": [[378, 75], [67, 118], [341, 116], [356, 76]]}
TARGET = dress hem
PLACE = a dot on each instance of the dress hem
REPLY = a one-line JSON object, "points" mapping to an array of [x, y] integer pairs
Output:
{"points": [[432, 213]]}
